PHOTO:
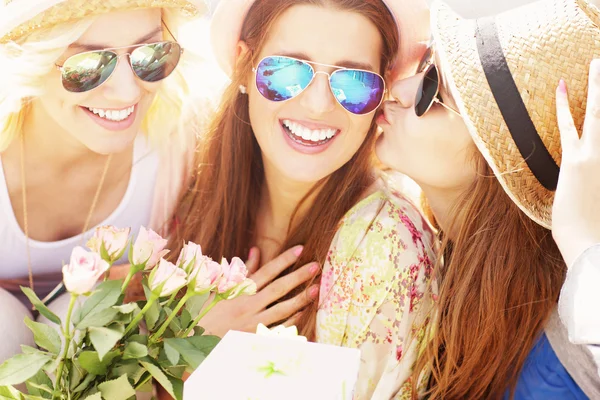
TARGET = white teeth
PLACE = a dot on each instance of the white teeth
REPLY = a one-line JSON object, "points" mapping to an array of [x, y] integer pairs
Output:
{"points": [[316, 135], [306, 133], [113, 115]]}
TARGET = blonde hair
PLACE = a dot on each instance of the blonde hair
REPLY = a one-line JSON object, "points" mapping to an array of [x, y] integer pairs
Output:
{"points": [[25, 64]]}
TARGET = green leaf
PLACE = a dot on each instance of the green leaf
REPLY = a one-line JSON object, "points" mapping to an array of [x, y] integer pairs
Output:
{"points": [[159, 376], [90, 361], [40, 385], [98, 319], [127, 308], [31, 397], [76, 374], [89, 378], [141, 339], [104, 339], [205, 343], [177, 387], [9, 393], [131, 368], [29, 350], [21, 367], [175, 325], [135, 350], [186, 318], [171, 353], [198, 331], [37, 303], [45, 336], [105, 296], [95, 396], [118, 389], [52, 366], [193, 349], [194, 305], [152, 315]]}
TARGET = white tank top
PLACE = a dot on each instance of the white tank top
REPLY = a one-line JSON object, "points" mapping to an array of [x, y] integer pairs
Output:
{"points": [[47, 258]]}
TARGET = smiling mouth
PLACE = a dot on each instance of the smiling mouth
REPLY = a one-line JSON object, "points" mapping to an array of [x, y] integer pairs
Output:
{"points": [[308, 137], [113, 115]]}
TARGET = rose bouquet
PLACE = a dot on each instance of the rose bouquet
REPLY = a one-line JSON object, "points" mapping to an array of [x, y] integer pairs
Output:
{"points": [[106, 348]]}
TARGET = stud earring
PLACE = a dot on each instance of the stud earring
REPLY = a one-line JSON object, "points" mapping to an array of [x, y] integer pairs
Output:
{"points": [[243, 89]]}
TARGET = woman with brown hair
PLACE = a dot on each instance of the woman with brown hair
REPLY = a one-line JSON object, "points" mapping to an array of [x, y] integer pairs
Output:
{"points": [[288, 161], [476, 129]]}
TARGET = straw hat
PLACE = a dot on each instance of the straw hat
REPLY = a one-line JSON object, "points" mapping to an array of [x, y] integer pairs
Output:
{"points": [[412, 18], [503, 72], [19, 18]]}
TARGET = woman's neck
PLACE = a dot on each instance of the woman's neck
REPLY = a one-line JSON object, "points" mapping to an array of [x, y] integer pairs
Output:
{"points": [[279, 200], [441, 201]]}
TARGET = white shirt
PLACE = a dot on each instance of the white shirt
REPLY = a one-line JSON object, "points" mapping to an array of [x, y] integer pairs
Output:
{"points": [[579, 304], [47, 258]]}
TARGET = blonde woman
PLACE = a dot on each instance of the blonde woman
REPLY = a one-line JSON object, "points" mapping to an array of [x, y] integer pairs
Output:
{"points": [[90, 96]]}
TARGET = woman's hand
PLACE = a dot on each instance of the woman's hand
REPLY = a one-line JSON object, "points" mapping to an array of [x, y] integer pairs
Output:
{"points": [[576, 210], [246, 312]]}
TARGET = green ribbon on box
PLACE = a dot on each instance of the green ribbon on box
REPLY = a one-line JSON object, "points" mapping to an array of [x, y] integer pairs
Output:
{"points": [[270, 369]]}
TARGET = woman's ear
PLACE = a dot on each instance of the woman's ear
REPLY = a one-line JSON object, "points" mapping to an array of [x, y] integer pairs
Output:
{"points": [[241, 53]]}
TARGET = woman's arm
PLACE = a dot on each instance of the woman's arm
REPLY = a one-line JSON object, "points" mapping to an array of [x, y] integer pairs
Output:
{"points": [[576, 216]]}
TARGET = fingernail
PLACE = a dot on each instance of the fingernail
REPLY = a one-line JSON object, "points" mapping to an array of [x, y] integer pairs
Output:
{"points": [[298, 251], [251, 253], [313, 291], [562, 86], [313, 269]]}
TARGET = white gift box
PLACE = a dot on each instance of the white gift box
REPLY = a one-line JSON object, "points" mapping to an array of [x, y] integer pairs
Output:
{"points": [[245, 366]]}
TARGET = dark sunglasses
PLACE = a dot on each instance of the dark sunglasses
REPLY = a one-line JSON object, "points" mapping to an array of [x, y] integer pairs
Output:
{"points": [[429, 89], [150, 62], [280, 78]]}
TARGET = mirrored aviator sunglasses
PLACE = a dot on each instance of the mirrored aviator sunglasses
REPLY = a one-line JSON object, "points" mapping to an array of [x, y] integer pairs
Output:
{"points": [[429, 88], [150, 62], [281, 78]]}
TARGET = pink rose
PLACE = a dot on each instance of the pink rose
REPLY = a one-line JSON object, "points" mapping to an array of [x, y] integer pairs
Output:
{"points": [[83, 271], [206, 275], [114, 240], [246, 288], [148, 248], [233, 274], [166, 279], [191, 257]]}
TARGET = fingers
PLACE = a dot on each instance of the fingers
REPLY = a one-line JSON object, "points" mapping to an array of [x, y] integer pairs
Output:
{"points": [[286, 309], [284, 285], [272, 269], [591, 126], [294, 320], [568, 132], [253, 260]]}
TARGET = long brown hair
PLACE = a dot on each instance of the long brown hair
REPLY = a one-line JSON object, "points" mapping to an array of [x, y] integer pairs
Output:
{"points": [[499, 282], [219, 211]]}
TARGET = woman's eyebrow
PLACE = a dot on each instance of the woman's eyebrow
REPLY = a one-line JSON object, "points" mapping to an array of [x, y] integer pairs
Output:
{"points": [[343, 63], [99, 46]]}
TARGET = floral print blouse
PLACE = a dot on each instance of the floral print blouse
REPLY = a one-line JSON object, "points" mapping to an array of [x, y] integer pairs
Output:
{"points": [[376, 292]]}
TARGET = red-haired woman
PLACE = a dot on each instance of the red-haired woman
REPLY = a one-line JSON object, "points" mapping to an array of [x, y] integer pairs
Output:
{"points": [[288, 161]]}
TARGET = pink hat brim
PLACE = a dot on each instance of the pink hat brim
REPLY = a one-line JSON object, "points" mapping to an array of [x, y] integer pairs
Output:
{"points": [[412, 18]]}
